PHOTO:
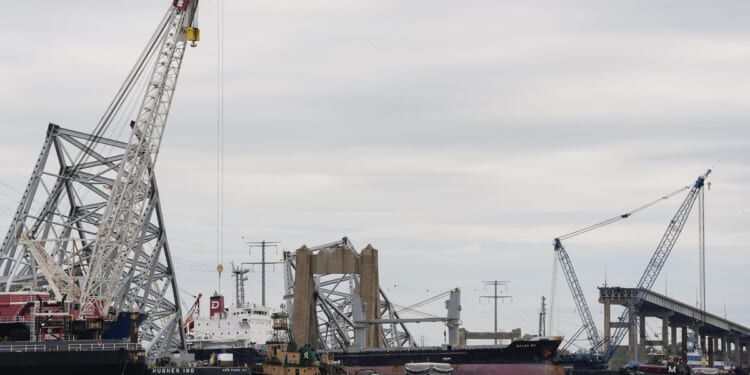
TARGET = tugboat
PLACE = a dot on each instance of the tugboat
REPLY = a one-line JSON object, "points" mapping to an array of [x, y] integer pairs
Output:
{"points": [[284, 358]]}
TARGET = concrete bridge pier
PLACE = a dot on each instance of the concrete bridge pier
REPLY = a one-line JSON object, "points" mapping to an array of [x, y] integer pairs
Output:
{"points": [[726, 347], [632, 336], [673, 340], [642, 337], [607, 324], [711, 346], [665, 332], [339, 260], [683, 350]]}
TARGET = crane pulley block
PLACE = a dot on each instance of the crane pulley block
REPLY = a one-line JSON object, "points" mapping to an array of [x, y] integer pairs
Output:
{"points": [[193, 35]]}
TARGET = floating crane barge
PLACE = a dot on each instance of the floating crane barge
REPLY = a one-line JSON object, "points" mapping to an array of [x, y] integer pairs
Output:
{"points": [[76, 305]]}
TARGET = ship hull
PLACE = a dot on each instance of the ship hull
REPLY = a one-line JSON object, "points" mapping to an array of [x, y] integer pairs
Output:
{"points": [[244, 357], [199, 371], [520, 357], [72, 362], [474, 369]]}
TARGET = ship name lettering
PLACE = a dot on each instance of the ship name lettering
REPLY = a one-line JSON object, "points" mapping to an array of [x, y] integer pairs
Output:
{"points": [[174, 371]]}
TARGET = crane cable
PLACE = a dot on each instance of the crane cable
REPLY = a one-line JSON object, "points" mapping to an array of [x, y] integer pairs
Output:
{"points": [[123, 93], [424, 302], [620, 217], [220, 138]]}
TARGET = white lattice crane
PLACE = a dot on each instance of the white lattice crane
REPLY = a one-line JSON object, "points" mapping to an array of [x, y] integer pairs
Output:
{"points": [[106, 283]]}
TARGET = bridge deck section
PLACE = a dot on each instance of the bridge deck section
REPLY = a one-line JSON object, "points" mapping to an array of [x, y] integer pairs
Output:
{"points": [[679, 314]]}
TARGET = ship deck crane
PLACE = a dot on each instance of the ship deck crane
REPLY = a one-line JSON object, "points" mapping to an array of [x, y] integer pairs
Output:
{"points": [[190, 316], [582, 307], [658, 259]]}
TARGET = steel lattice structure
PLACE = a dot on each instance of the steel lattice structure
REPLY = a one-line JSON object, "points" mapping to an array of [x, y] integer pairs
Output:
{"points": [[120, 226], [61, 210], [334, 306], [663, 249], [592, 333]]}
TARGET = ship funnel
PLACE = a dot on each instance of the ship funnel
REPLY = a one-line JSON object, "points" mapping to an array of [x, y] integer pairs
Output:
{"points": [[217, 306]]}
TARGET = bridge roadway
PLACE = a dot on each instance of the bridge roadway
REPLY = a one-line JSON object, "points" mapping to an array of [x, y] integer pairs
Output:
{"points": [[712, 330]]}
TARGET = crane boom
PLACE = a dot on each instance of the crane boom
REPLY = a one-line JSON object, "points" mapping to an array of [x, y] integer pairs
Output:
{"points": [[575, 289], [659, 258], [570, 274], [119, 229]]}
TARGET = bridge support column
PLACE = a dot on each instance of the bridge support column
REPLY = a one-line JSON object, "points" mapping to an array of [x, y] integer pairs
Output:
{"points": [[737, 353], [607, 326], [632, 335], [726, 348], [673, 339], [711, 346], [665, 333], [683, 350], [642, 337]]}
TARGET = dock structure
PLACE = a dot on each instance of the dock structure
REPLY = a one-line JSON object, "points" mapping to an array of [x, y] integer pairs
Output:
{"points": [[720, 338]]}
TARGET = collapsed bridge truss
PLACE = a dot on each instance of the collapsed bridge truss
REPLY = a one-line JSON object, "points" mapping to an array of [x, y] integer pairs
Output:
{"points": [[61, 209]]}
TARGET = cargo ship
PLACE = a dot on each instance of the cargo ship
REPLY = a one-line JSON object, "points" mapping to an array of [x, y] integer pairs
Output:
{"points": [[41, 336], [522, 356], [240, 330]]}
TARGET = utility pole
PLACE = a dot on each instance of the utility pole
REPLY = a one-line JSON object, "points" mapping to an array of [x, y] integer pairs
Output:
{"points": [[542, 316], [263, 245], [496, 297]]}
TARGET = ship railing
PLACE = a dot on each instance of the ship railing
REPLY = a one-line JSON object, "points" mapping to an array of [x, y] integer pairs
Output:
{"points": [[24, 298], [23, 348], [109, 346], [14, 319], [71, 347]]}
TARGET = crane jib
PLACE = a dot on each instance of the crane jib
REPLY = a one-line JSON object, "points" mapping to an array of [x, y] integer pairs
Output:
{"points": [[121, 225]]}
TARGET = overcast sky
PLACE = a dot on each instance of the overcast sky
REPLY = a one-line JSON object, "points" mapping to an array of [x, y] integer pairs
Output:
{"points": [[458, 138]]}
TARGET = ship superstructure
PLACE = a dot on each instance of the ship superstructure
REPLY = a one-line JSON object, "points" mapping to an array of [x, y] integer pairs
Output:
{"points": [[240, 330], [248, 325]]}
